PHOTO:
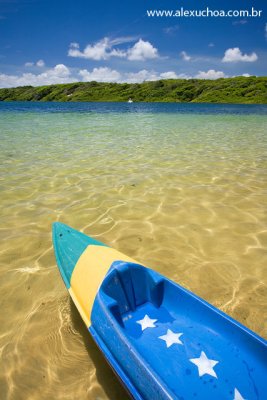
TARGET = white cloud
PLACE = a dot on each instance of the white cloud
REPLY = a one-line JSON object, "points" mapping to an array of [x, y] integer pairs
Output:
{"points": [[60, 70], [105, 74], [211, 44], [123, 39], [185, 56], [62, 74], [101, 50], [29, 64], [246, 75], [235, 54], [40, 63], [210, 74], [265, 31], [98, 51], [170, 30], [104, 50], [168, 75], [141, 51], [59, 74], [102, 74], [74, 45], [240, 22], [141, 76], [145, 75]]}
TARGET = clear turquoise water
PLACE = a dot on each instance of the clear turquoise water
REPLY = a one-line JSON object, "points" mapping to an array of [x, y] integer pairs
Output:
{"points": [[180, 188]]}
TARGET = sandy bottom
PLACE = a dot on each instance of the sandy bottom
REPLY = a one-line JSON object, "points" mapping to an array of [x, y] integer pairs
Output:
{"points": [[183, 194]]}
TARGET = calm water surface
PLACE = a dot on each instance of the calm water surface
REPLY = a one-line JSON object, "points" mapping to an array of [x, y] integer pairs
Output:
{"points": [[180, 188]]}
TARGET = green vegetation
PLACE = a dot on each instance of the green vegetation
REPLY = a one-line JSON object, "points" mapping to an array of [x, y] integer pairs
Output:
{"points": [[225, 90]]}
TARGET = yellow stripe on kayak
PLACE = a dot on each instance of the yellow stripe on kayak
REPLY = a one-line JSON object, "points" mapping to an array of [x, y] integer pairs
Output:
{"points": [[88, 275]]}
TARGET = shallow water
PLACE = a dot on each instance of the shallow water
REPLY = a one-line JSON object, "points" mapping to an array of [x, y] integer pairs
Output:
{"points": [[180, 188]]}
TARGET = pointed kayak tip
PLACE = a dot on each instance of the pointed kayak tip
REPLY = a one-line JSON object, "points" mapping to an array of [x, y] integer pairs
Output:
{"points": [[69, 244]]}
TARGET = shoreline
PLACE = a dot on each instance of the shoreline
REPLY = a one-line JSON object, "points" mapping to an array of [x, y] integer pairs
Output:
{"points": [[238, 90], [123, 102]]}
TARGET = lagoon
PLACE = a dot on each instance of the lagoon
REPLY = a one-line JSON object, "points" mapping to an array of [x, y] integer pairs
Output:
{"points": [[180, 188]]}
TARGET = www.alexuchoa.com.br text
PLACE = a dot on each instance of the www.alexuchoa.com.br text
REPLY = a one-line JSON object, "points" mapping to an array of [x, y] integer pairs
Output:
{"points": [[205, 13]]}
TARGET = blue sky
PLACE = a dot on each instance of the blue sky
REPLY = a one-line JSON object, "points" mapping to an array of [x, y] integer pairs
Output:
{"points": [[44, 41]]}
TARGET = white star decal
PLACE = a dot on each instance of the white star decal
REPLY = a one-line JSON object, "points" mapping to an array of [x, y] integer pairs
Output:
{"points": [[147, 322], [205, 365], [238, 395], [171, 338]]}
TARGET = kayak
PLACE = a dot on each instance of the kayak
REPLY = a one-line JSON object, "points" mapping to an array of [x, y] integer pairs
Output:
{"points": [[162, 341]]}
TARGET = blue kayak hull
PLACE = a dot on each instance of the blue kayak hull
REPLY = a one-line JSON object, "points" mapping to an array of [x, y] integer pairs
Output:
{"points": [[162, 341], [187, 349], [122, 377]]}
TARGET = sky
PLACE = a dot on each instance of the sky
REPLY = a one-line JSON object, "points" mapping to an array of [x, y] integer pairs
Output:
{"points": [[54, 41]]}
